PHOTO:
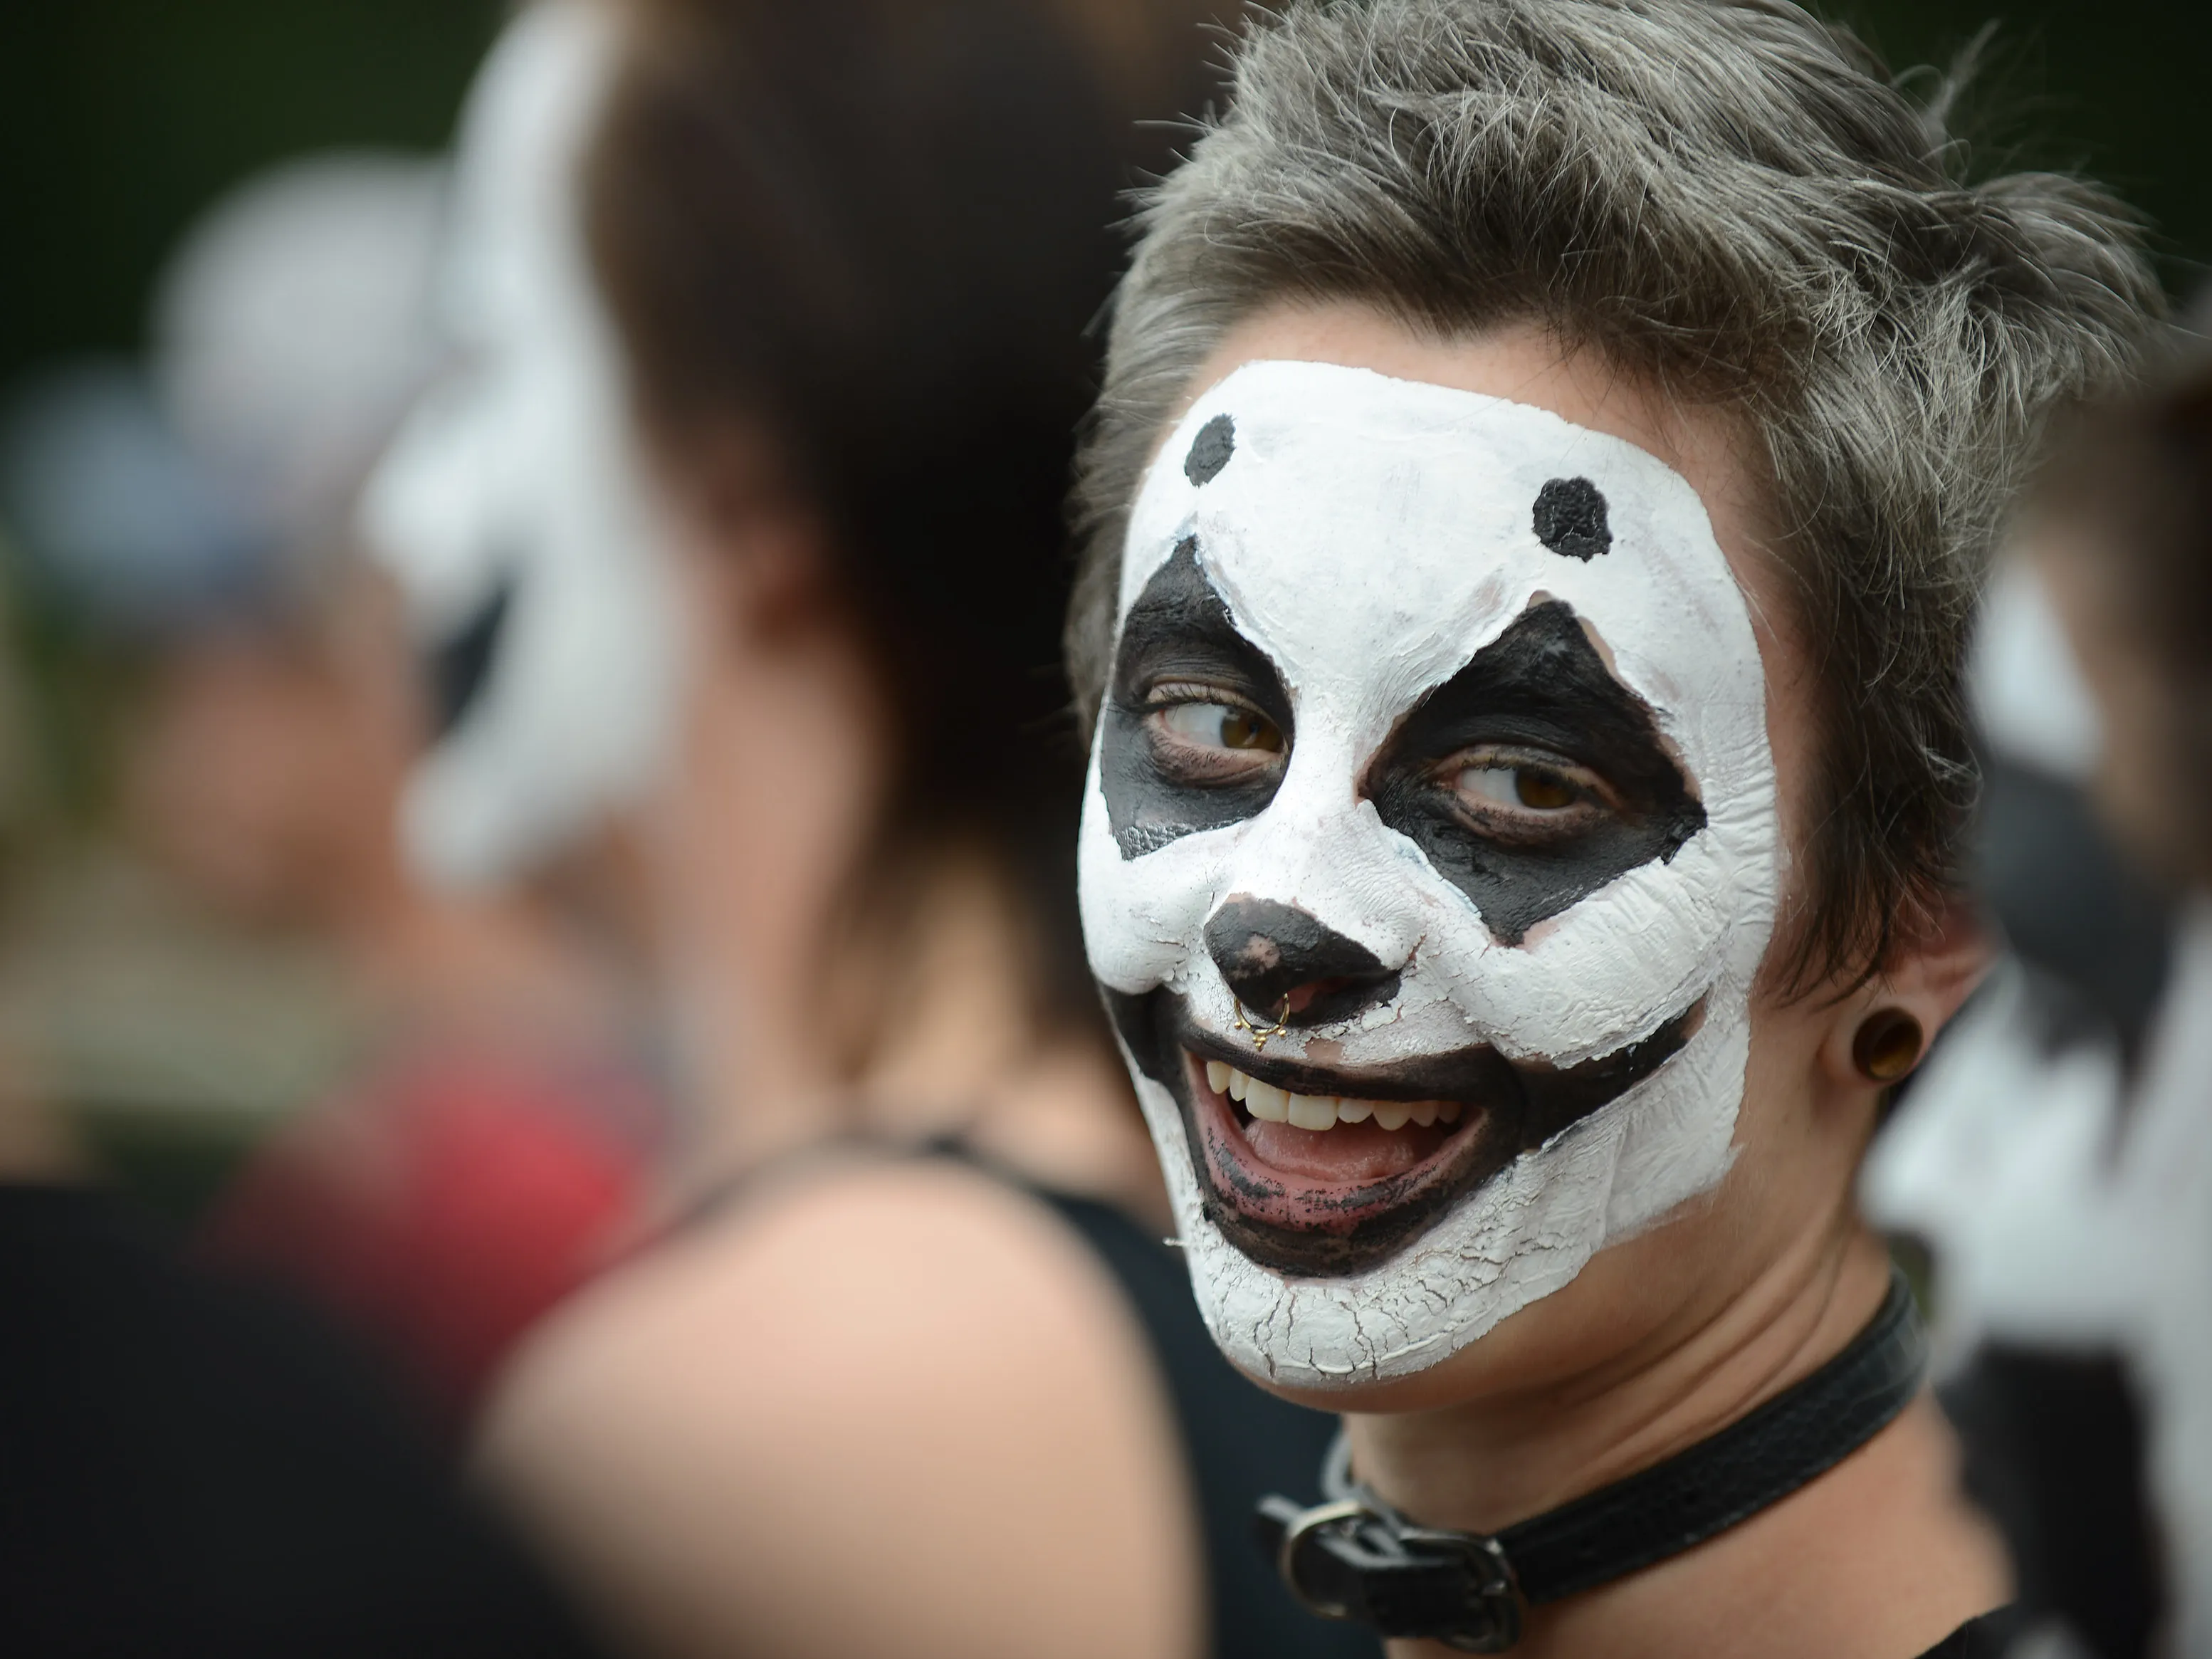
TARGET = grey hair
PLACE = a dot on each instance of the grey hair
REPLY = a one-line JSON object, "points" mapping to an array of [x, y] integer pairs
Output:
{"points": [[1733, 200]]}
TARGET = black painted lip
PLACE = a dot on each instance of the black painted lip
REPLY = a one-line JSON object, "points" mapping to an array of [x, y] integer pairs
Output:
{"points": [[1308, 1229]]}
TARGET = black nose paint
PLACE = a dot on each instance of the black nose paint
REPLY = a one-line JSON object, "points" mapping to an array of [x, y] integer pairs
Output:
{"points": [[1211, 450], [1180, 629], [1570, 518], [460, 664], [1539, 685], [1266, 950]]}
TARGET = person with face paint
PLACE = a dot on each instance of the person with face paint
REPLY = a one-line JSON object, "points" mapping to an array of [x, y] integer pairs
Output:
{"points": [[1529, 525], [2055, 1157], [734, 542]]}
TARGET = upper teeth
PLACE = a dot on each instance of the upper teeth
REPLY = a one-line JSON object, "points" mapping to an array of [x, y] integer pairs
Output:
{"points": [[1273, 1105]]}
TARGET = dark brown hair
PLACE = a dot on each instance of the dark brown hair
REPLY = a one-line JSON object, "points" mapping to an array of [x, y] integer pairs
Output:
{"points": [[882, 229]]}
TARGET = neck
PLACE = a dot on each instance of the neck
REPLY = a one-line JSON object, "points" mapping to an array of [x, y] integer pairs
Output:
{"points": [[904, 1028], [1919, 1563], [743, 858]]}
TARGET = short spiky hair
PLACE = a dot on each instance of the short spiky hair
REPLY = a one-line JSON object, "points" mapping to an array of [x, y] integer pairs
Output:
{"points": [[1728, 198]]}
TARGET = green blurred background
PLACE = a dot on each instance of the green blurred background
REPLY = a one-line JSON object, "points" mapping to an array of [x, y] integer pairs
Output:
{"points": [[119, 118]]}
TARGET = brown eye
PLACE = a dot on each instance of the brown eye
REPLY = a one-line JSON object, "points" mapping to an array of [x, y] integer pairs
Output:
{"points": [[1242, 729], [1542, 790], [1516, 796], [1501, 783], [1221, 726]]}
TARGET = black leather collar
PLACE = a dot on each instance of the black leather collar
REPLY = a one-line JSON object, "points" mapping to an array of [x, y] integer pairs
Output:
{"points": [[1354, 1556]]}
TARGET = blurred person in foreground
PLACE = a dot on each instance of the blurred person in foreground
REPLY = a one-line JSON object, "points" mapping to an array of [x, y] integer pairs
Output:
{"points": [[190, 1467], [485, 1142], [740, 539], [1530, 525], [2057, 1156]]}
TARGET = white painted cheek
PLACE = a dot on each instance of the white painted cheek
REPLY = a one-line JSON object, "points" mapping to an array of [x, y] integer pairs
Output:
{"points": [[1143, 918], [1610, 969]]}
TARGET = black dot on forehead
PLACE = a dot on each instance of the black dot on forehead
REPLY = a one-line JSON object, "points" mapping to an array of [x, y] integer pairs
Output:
{"points": [[1211, 450], [1570, 519]]}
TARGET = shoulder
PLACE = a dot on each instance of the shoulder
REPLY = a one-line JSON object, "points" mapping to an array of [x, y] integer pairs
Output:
{"points": [[909, 1366], [842, 1267]]}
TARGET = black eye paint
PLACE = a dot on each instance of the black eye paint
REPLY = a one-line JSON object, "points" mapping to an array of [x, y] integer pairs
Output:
{"points": [[1180, 629], [1539, 684], [1571, 520], [459, 665], [1211, 450]]}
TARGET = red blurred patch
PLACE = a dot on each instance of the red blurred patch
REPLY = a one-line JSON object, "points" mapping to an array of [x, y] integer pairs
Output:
{"points": [[445, 1206]]}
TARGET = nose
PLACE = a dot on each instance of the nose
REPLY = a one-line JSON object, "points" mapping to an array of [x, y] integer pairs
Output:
{"points": [[1282, 961]]}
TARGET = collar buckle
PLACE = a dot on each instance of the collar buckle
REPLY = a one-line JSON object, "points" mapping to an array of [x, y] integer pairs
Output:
{"points": [[1355, 1558]]}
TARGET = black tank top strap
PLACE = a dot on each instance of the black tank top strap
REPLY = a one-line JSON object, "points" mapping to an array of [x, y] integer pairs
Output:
{"points": [[728, 1192], [1236, 1437]]}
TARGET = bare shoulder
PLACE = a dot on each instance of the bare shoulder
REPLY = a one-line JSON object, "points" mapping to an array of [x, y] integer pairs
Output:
{"points": [[895, 1404]]}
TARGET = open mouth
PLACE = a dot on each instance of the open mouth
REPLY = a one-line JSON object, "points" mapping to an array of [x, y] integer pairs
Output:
{"points": [[1320, 1172]]}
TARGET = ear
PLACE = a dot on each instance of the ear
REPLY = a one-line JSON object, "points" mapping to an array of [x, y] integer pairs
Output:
{"points": [[1928, 975]]}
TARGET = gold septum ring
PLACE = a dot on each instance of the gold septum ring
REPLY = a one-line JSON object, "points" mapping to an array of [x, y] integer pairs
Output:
{"points": [[1260, 1034]]}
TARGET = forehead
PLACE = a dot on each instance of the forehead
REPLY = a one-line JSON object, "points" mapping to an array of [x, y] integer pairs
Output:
{"points": [[1383, 529]]}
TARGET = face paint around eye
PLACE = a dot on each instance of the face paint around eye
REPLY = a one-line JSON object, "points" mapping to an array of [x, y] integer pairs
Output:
{"points": [[1195, 721], [1540, 684], [1427, 891]]}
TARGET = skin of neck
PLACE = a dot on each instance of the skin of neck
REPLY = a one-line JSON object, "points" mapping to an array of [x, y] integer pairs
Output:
{"points": [[797, 1019], [1666, 1337]]}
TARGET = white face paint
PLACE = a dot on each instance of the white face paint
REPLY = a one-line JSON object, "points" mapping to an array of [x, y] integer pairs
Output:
{"points": [[513, 508], [1443, 718]]}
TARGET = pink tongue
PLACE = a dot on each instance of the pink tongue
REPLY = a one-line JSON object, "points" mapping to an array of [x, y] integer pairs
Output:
{"points": [[1349, 1154]]}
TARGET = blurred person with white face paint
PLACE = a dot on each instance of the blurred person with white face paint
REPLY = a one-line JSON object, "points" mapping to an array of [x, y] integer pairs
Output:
{"points": [[193, 1466], [2057, 1156], [732, 545], [464, 1081], [1529, 527]]}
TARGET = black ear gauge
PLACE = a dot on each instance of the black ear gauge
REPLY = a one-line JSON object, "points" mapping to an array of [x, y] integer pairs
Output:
{"points": [[1888, 1045]]}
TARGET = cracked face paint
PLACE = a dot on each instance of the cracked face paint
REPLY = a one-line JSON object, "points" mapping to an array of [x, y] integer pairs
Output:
{"points": [[512, 508], [1433, 797]]}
